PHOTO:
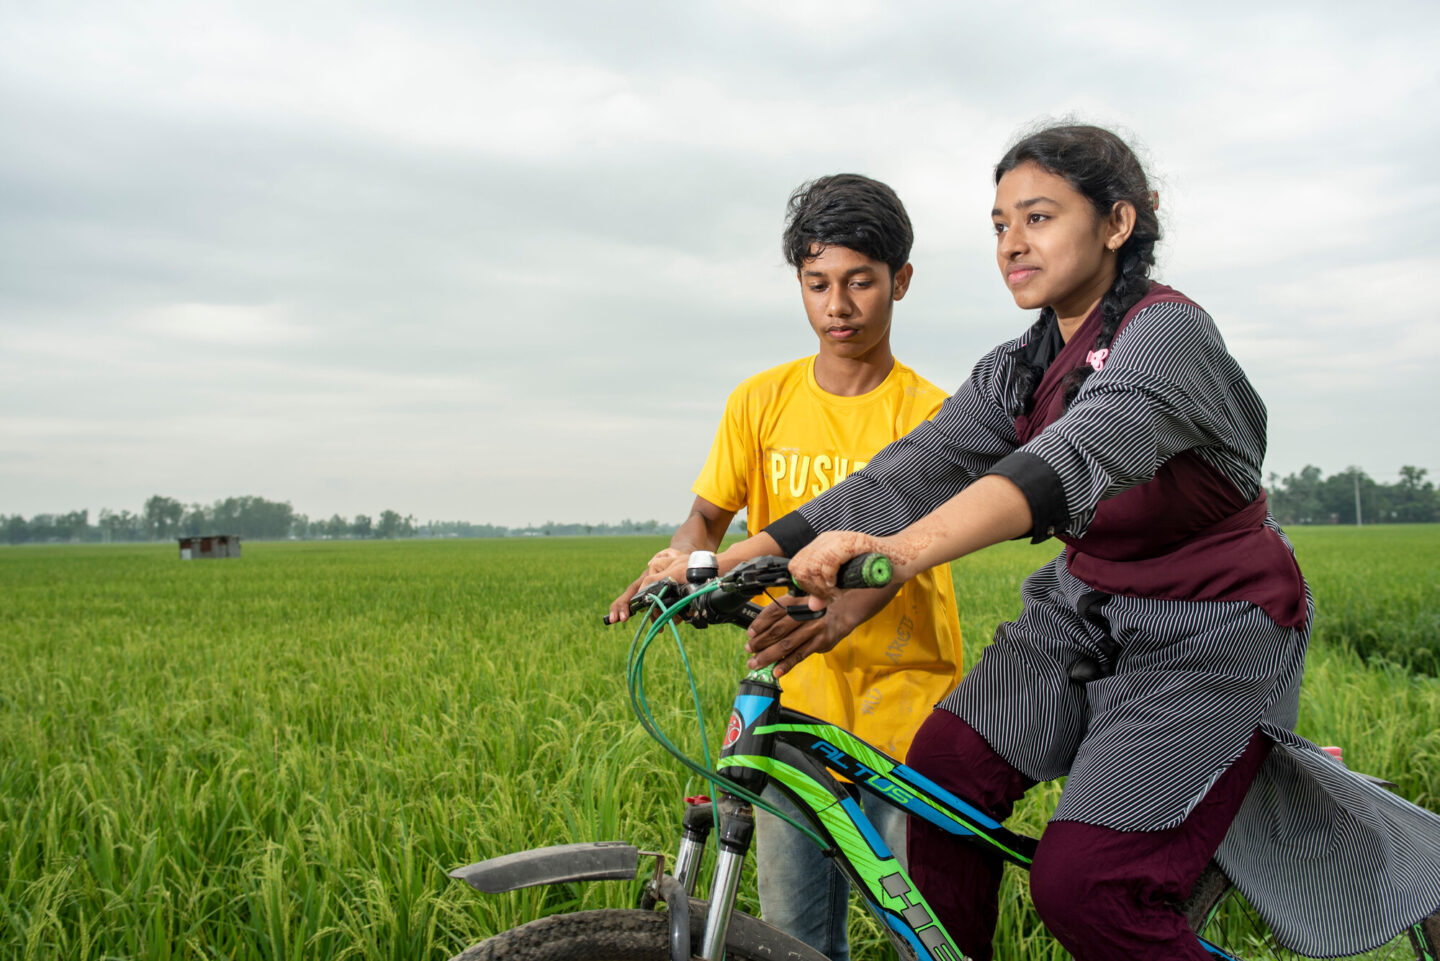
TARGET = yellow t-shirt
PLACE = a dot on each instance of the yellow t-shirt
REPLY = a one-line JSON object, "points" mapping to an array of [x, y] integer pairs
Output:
{"points": [[784, 440]]}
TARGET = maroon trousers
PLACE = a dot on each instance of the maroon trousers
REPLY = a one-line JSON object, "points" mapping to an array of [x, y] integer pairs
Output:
{"points": [[1104, 894]]}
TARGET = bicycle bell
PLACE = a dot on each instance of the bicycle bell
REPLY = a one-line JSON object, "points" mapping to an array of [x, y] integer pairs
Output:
{"points": [[701, 566]]}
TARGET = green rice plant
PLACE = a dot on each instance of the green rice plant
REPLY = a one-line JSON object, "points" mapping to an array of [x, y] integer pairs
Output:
{"points": [[282, 756], [1377, 590]]}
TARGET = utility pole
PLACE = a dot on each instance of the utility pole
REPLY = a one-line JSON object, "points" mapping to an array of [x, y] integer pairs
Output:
{"points": [[1357, 498]]}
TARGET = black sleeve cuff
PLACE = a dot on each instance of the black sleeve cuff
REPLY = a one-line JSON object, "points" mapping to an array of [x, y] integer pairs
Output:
{"points": [[791, 532], [1040, 484]]}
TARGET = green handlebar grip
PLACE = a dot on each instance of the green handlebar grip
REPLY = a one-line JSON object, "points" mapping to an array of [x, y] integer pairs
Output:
{"points": [[867, 570]]}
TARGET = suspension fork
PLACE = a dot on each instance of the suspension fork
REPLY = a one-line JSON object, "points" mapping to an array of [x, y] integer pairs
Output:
{"points": [[737, 831], [737, 828], [698, 822], [756, 700]]}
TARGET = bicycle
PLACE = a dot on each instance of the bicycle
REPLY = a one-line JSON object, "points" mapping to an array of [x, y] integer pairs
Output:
{"points": [[766, 742]]}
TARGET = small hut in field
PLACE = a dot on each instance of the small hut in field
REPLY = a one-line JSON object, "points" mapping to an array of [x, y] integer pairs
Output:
{"points": [[209, 546]]}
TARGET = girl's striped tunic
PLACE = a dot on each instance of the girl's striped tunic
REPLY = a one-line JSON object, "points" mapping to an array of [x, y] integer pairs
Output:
{"points": [[1209, 622]]}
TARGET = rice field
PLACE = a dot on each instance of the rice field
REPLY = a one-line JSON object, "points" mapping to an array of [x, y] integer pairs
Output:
{"points": [[280, 757]]}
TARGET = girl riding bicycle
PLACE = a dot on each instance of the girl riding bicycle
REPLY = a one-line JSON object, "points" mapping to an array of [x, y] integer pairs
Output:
{"points": [[1157, 661]]}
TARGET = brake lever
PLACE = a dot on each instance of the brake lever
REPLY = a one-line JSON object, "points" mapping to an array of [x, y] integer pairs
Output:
{"points": [[666, 590], [759, 573], [801, 612]]}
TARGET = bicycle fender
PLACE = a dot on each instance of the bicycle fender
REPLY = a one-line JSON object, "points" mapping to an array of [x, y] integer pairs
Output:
{"points": [[588, 861]]}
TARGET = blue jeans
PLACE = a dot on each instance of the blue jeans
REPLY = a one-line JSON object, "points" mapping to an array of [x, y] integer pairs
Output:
{"points": [[801, 892]]}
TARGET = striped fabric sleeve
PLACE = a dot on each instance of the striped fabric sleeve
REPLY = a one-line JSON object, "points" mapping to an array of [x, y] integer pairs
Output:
{"points": [[1043, 492], [1169, 385], [920, 471]]}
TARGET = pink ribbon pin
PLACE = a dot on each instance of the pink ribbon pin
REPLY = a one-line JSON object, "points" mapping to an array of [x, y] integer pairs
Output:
{"points": [[1096, 358]]}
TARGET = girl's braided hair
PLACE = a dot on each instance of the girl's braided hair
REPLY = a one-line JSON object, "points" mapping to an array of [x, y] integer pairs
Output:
{"points": [[1106, 171]]}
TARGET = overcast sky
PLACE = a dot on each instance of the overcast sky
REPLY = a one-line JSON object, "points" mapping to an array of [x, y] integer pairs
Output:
{"points": [[503, 263]]}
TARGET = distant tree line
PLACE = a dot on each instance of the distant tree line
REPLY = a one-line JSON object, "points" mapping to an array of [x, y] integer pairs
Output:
{"points": [[1309, 498], [1306, 497], [255, 518]]}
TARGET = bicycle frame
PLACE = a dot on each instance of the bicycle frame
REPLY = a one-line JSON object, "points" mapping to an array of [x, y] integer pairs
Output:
{"points": [[815, 764], [767, 742]]}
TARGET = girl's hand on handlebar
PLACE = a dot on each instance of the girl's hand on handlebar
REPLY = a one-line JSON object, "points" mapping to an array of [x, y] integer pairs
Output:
{"points": [[667, 563], [816, 566], [620, 607], [663, 563], [671, 562]]}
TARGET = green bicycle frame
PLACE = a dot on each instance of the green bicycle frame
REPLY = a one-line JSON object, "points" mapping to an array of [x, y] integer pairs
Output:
{"points": [[767, 742]]}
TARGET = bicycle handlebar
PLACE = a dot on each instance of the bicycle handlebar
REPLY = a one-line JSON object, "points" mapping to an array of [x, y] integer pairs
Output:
{"points": [[728, 601], [866, 570]]}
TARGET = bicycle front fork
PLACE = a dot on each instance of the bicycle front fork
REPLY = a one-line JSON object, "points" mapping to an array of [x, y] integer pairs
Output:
{"points": [[737, 830]]}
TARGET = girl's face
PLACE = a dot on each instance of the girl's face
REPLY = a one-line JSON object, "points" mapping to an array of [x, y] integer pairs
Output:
{"points": [[1053, 249]]}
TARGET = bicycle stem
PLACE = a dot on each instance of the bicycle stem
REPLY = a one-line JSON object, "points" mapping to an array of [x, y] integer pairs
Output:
{"points": [[766, 674]]}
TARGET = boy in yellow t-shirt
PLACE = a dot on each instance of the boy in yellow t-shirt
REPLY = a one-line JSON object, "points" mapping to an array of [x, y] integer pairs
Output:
{"points": [[787, 434]]}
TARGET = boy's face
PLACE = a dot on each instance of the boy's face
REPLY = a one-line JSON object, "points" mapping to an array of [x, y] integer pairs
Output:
{"points": [[848, 299]]}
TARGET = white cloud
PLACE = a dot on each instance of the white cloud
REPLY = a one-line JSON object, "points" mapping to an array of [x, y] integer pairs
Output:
{"points": [[816, 18], [225, 324], [505, 263]]}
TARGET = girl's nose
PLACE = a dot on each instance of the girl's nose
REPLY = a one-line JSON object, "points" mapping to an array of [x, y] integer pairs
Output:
{"points": [[1012, 242]]}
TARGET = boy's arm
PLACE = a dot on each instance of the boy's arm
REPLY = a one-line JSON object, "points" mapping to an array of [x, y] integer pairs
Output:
{"points": [[702, 530]]}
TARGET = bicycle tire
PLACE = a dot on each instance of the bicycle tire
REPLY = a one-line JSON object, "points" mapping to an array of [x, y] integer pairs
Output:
{"points": [[1220, 914], [624, 934]]}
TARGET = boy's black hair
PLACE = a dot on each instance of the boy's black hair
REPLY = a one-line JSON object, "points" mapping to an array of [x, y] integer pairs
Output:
{"points": [[847, 210]]}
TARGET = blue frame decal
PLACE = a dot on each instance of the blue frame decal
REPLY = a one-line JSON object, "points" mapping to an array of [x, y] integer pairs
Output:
{"points": [[913, 777], [751, 706], [867, 829]]}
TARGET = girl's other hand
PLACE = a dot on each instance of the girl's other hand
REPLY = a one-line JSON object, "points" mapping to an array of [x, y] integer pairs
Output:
{"points": [[816, 566]]}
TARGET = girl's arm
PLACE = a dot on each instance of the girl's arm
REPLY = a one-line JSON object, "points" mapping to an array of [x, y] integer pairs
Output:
{"points": [[918, 473], [991, 510]]}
